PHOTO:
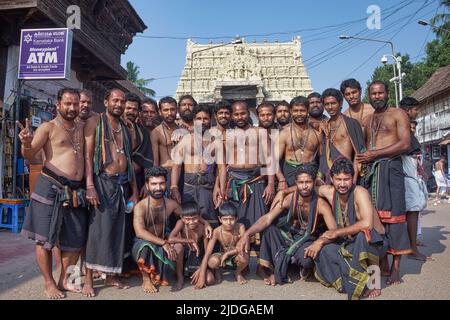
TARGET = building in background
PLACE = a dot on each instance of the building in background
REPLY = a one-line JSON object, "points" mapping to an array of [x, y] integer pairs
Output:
{"points": [[107, 30], [246, 71], [433, 127]]}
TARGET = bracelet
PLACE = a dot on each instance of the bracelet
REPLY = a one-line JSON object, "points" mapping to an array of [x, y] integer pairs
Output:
{"points": [[173, 187], [281, 180], [90, 186], [26, 148]]}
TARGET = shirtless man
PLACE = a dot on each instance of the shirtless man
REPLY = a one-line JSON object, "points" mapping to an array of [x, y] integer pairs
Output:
{"points": [[149, 114], [266, 116], [293, 226], [299, 143], [244, 163], [316, 116], [222, 111], [441, 179], [162, 136], [343, 136], [86, 107], [282, 114], [151, 250], [359, 232], [388, 136], [199, 178], [111, 184], [186, 106], [351, 89], [61, 222]]}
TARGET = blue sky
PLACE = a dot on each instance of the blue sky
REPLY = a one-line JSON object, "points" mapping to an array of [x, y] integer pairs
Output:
{"points": [[328, 60]]}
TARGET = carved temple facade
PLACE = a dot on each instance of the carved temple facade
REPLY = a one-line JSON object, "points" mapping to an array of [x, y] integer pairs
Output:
{"points": [[253, 72]]}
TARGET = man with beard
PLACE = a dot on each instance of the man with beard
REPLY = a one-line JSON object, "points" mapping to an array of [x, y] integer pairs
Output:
{"points": [[110, 180], [415, 187], [282, 114], [199, 178], [351, 89], [186, 106], [342, 136], [299, 143], [266, 116], [222, 111], [388, 136], [343, 257], [246, 153], [142, 148], [289, 230], [57, 215], [149, 115], [85, 107], [151, 250], [316, 117], [163, 137]]}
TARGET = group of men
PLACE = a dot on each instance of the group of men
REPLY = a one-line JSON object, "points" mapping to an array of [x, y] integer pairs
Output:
{"points": [[111, 181]]}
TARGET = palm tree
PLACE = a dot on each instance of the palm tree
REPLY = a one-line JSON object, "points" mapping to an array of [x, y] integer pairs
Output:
{"points": [[133, 76], [442, 20]]}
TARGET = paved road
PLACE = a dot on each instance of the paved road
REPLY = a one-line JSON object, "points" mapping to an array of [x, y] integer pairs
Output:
{"points": [[20, 279]]}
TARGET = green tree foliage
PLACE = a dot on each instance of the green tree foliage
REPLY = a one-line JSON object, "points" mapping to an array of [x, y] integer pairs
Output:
{"points": [[142, 84]]}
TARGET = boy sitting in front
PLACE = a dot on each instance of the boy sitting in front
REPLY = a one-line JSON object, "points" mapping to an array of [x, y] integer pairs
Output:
{"points": [[228, 234], [190, 244]]}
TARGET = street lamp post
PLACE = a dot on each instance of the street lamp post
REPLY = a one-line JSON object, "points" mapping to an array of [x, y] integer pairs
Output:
{"points": [[426, 23], [236, 41], [398, 79]]}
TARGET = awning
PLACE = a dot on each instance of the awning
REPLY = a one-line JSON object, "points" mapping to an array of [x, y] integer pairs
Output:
{"points": [[445, 142]]}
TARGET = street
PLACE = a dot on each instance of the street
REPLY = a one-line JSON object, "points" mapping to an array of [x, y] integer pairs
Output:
{"points": [[20, 278]]}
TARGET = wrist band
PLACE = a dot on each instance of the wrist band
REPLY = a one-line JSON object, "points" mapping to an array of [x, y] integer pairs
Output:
{"points": [[173, 187]]}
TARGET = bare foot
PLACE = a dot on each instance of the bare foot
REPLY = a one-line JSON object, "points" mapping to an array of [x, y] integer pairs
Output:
{"points": [[271, 280], [179, 285], [88, 291], [148, 286], [260, 272], [372, 293], [240, 279], [52, 291], [113, 281], [394, 278], [419, 256], [71, 287]]}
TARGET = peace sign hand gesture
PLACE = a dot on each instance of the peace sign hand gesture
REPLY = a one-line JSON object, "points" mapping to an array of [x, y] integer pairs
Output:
{"points": [[26, 133]]}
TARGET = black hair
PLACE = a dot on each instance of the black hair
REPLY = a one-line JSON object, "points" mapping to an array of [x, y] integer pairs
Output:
{"points": [[240, 102], [299, 100], [308, 168], [227, 209], [133, 98], [265, 104], [413, 122], [62, 91], [282, 103], [408, 103], [86, 92], [222, 104], [110, 91], [386, 87], [187, 96], [169, 100], [202, 107], [350, 83], [189, 208], [155, 172], [314, 95], [332, 92], [150, 101], [342, 165]]}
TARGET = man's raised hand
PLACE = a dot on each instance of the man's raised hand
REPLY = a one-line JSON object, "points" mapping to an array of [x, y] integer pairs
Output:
{"points": [[26, 133]]}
